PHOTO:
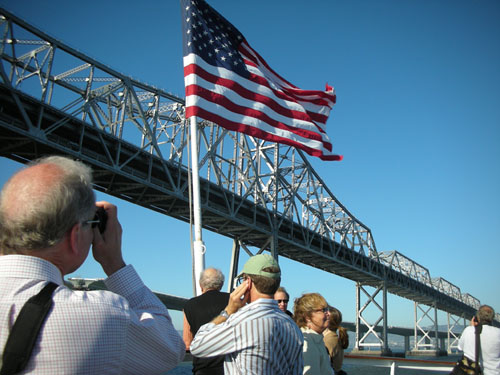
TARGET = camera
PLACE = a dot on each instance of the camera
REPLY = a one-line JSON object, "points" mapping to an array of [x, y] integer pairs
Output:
{"points": [[102, 217]]}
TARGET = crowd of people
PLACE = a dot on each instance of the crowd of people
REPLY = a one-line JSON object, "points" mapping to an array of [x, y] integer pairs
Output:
{"points": [[49, 220], [255, 333]]}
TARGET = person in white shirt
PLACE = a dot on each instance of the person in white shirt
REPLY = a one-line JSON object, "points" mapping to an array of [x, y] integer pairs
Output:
{"points": [[46, 229], [489, 359]]}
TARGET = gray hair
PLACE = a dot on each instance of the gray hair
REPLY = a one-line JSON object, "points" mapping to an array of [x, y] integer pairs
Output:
{"points": [[211, 278], [43, 221], [485, 314]]}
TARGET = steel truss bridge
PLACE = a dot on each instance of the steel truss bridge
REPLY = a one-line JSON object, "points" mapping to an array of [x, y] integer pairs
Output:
{"points": [[56, 100]]}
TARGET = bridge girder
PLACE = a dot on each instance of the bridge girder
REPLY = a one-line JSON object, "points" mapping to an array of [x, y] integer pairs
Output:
{"points": [[54, 99]]}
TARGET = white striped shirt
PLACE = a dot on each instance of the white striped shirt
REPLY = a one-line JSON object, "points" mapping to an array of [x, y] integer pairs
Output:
{"points": [[97, 332], [258, 339]]}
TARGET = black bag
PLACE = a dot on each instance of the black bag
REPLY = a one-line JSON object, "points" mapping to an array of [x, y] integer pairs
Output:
{"points": [[466, 366]]}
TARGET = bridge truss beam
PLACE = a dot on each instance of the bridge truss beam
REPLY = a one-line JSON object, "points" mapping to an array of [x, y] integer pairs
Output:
{"points": [[54, 99]]}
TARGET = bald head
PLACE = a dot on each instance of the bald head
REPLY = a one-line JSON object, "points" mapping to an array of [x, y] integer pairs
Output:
{"points": [[23, 192], [211, 279], [40, 203]]}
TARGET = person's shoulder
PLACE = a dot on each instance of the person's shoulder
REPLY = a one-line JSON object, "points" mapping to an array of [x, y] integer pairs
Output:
{"points": [[220, 294], [192, 302], [469, 330], [492, 329], [92, 300], [209, 295]]}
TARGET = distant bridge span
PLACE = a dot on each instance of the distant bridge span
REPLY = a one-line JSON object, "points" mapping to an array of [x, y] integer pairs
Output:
{"points": [[54, 99]]}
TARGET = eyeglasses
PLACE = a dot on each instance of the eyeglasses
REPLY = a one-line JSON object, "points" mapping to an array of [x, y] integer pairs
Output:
{"points": [[239, 280], [94, 222], [324, 310], [282, 300], [99, 220]]}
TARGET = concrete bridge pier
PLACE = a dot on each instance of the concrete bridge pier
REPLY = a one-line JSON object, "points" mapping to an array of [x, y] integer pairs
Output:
{"points": [[407, 343]]}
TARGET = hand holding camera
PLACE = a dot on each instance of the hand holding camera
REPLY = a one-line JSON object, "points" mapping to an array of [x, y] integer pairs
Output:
{"points": [[101, 218], [106, 246]]}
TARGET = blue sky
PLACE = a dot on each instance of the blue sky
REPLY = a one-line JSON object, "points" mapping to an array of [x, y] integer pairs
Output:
{"points": [[417, 119]]}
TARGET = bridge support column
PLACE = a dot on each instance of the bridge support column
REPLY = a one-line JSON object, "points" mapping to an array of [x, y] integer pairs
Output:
{"points": [[233, 271], [362, 343], [455, 328], [427, 344]]}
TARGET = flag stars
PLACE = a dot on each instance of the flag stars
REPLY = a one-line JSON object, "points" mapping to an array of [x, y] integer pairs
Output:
{"points": [[211, 37]]}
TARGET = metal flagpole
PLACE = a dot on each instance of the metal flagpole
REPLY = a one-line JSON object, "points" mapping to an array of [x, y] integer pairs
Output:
{"points": [[198, 245]]}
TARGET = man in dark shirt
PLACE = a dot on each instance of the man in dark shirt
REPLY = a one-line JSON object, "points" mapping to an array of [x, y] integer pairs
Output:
{"points": [[201, 310]]}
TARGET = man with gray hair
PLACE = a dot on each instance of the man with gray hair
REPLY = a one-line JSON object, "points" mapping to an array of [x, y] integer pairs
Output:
{"points": [[489, 338], [200, 310], [47, 225]]}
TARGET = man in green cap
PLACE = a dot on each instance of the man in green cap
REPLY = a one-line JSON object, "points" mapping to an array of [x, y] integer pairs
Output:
{"points": [[252, 332]]}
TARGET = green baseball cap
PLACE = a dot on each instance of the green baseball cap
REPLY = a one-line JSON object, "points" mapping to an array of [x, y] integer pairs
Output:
{"points": [[256, 265]]}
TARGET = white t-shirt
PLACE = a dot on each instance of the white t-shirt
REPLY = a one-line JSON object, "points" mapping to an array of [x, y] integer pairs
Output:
{"points": [[490, 348]]}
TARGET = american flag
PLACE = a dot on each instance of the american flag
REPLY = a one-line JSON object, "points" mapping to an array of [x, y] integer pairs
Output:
{"points": [[228, 83]]}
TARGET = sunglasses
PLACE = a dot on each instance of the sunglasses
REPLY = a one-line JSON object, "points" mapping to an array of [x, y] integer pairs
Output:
{"points": [[324, 310], [282, 300]]}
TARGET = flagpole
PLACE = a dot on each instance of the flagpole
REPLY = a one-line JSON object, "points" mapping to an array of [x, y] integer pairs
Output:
{"points": [[198, 245]]}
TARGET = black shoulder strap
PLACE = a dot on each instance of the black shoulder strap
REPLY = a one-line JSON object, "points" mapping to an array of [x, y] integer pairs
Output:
{"points": [[25, 330], [477, 331]]}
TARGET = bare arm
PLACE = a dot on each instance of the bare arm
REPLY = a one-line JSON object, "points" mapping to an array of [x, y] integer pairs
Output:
{"points": [[187, 335]]}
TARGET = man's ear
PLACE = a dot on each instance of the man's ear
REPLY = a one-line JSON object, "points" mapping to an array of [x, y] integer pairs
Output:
{"points": [[74, 237]]}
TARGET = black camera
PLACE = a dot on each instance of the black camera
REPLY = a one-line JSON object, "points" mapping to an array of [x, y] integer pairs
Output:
{"points": [[101, 217]]}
